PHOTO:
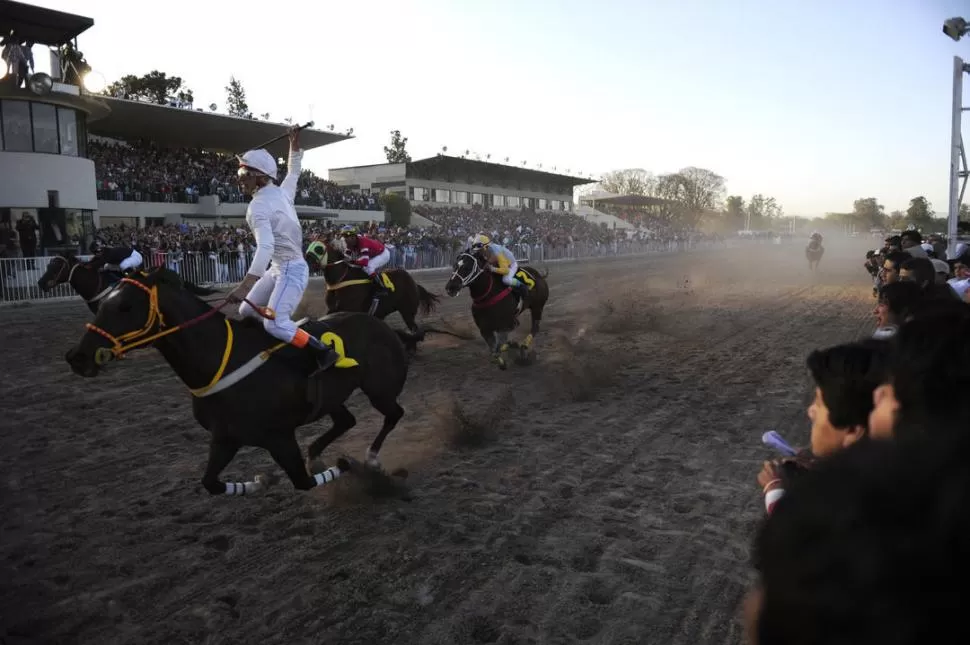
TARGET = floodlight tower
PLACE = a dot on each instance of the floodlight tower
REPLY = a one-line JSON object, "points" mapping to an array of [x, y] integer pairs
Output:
{"points": [[956, 28]]}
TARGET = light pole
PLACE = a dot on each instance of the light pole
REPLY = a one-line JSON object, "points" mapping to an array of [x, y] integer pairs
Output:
{"points": [[956, 28]]}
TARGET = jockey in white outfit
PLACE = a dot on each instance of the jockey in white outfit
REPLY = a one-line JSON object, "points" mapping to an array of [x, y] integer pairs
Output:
{"points": [[501, 261], [121, 257], [279, 244]]}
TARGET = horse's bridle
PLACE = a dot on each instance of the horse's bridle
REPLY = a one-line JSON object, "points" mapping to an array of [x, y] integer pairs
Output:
{"points": [[473, 274], [100, 293]]}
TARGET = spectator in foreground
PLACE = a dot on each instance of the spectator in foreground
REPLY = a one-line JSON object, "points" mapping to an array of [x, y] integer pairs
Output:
{"points": [[898, 301], [926, 385], [869, 548], [845, 378]]}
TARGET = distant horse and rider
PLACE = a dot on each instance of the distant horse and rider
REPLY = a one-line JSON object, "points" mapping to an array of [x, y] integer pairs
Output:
{"points": [[814, 251], [92, 280], [352, 266], [497, 303]]}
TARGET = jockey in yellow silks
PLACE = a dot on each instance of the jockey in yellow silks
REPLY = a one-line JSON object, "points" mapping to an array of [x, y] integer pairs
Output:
{"points": [[500, 261]]}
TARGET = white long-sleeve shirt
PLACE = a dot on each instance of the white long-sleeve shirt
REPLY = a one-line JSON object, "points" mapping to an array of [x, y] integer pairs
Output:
{"points": [[272, 217]]}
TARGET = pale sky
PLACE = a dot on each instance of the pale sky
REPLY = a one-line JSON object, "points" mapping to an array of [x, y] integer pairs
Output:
{"points": [[814, 103]]}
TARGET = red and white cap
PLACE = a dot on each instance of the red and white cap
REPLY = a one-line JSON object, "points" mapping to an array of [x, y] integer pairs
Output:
{"points": [[260, 161]]}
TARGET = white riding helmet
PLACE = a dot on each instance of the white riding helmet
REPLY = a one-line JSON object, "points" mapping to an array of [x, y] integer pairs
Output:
{"points": [[259, 160]]}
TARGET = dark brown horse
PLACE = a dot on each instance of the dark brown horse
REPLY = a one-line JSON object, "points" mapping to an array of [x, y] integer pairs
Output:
{"points": [[248, 388], [349, 288], [92, 284], [813, 253], [495, 307]]}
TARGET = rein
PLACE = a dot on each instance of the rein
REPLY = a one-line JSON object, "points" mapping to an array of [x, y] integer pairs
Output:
{"points": [[99, 293], [120, 345], [341, 282], [487, 299]]}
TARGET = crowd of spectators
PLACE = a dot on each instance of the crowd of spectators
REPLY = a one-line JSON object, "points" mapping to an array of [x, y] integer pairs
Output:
{"points": [[865, 535], [145, 172]]}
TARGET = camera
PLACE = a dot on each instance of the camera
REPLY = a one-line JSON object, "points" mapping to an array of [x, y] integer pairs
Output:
{"points": [[955, 28]]}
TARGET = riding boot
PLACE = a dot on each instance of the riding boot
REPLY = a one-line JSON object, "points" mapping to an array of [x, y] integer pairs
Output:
{"points": [[523, 290], [325, 354], [379, 283]]}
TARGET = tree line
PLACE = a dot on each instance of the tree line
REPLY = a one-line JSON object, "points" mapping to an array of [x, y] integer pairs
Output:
{"points": [[867, 213]]}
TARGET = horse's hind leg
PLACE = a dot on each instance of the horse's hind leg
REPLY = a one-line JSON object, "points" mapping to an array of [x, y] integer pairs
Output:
{"points": [[343, 421], [392, 411]]}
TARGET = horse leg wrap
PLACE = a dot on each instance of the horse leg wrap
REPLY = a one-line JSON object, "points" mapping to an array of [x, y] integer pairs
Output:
{"points": [[527, 343], [327, 476], [242, 488]]}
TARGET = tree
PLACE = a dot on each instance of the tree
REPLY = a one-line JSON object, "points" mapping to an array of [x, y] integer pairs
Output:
{"points": [[734, 211], [397, 151], [964, 212], [920, 212], [236, 99], [155, 86], [632, 181], [868, 213], [397, 209], [697, 190], [897, 219]]}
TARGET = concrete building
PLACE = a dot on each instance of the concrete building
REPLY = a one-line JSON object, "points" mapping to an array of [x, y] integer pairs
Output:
{"points": [[445, 181]]}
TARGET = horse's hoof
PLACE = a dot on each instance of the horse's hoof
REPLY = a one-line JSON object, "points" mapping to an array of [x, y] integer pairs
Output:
{"points": [[265, 481]]}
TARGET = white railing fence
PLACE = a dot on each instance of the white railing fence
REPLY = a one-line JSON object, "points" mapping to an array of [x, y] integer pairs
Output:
{"points": [[19, 276]]}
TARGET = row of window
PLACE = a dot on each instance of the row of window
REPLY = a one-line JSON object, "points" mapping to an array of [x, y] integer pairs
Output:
{"points": [[490, 200], [26, 126]]}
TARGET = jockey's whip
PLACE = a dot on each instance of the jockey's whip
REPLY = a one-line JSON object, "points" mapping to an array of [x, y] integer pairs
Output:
{"points": [[308, 124]]}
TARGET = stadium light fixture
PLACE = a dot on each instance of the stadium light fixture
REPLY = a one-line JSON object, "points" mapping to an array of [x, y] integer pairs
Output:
{"points": [[94, 82], [956, 28], [40, 84]]}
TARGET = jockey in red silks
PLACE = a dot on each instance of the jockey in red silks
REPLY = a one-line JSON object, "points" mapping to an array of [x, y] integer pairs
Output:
{"points": [[368, 253]]}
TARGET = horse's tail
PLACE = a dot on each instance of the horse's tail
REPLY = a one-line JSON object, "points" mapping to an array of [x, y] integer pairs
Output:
{"points": [[427, 300]]}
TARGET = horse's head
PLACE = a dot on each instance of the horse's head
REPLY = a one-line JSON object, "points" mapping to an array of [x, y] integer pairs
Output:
{"points": [[467, 267], [128, 318], [58, 271]]}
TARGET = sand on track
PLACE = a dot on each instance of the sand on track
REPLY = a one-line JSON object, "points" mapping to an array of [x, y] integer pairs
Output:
{"points": [[605, 494]]}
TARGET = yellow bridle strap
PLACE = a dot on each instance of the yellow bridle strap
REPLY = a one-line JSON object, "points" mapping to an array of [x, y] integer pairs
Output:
{"points": [[222, 366], [154, 316], [348, 283]]}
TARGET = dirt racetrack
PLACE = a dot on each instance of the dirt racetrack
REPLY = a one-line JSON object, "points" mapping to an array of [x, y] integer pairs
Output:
{"points": [[604, 495]]}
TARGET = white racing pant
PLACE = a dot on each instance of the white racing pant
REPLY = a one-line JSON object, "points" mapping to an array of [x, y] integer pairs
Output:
{"points": [[281, 289], [509, 278], [132, 261], [375, 263]]}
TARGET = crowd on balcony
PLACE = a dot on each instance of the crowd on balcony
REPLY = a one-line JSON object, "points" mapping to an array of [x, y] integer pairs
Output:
{"points": [[146, 172]]}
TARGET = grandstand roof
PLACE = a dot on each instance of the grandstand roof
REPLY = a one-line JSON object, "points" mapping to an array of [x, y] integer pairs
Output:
{"points": [[179, 127], [40, 25], [460, 164], [630, 200]]}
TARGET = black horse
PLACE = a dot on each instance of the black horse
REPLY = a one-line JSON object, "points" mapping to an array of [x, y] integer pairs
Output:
{"points": [[349, 288], [495, 307], [814, 252], [87, 281], [249, 389]]}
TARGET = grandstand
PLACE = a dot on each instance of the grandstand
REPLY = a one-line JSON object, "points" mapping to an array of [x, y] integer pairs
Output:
{"points": [[74, 162], [445, 181]]}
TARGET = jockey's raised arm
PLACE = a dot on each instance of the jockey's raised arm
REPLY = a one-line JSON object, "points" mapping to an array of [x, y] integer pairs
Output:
{"points": [[294, 165]]}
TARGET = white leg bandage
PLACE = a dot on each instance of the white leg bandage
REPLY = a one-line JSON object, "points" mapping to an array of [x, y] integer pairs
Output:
{"points": [[242, 488], [327, 476]]}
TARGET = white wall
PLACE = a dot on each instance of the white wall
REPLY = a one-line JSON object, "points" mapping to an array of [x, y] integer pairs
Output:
{"points": [[25, 178], [208, 206], [367, 176]]}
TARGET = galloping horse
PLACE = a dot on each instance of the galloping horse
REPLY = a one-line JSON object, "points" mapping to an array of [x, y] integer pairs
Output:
{"points": [[349, 288], [814, 252], [495, 308], [247, 388], [88, 282]]}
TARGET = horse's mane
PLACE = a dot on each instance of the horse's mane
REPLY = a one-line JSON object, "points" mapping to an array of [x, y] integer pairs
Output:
{"points": [[163, 276]]}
